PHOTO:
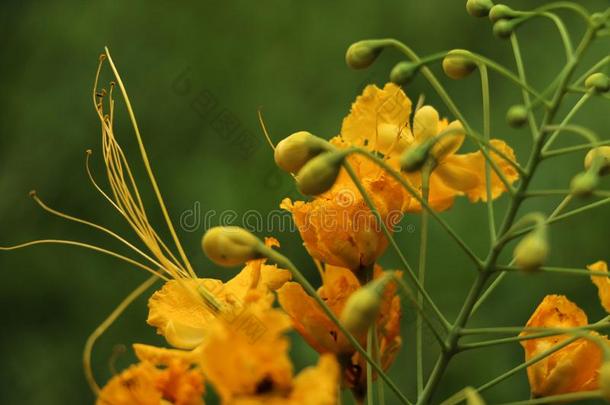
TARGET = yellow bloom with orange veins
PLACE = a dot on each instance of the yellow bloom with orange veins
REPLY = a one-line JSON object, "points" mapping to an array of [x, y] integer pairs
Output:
{"points": [[322, 334], [146, 384], [573, 368], [180, 314], [602, 283]]}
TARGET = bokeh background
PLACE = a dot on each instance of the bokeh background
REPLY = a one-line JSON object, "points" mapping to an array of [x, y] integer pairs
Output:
{"points": [[197, 72]]}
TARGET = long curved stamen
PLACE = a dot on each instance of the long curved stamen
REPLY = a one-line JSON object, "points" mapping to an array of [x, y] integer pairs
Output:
{"points": [[99, 331], [60, 214], [127, 199], [261, 121], [147, 164], [86, 246]]}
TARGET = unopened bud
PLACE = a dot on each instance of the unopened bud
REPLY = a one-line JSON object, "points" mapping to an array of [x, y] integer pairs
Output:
{"points": [[604, 380], [503, 28], [449, 141], [598, 159], [479, 8], [403, 72], [598, 82], [362, 54], [293, 152], [532, 251], [362, 307], [414, 158], [230, 245], [501, 12], [473, 397], [458, 64], [516, 116], [583, 184], [320, 173]]}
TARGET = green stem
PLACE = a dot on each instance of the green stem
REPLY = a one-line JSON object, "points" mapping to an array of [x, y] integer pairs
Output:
{"points": [[559, 270], [369, 370], [405, 184], [283, 261], [486, 135], [567, 119], [546, 332], [571, 149], [557, 399], [395, 246], [423, 251], [521, 69]]}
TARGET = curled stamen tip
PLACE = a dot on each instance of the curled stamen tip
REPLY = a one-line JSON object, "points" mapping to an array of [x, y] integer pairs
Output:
{"points": [[112, 83], [102, 57], [89, 152], [32, 193]]}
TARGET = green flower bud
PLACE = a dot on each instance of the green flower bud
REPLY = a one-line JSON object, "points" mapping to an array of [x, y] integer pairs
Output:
{"points": [[414, 158], [503, 28], [362, 307], [600, 158], [583, 184], [320, 173], [230, 245], [362, 54], [479, 8], [604, 380], [532, 251], [501, 12], [293, 152], [473, 397], [458, 65], [403, 72], [598, 82], [516, 116]]}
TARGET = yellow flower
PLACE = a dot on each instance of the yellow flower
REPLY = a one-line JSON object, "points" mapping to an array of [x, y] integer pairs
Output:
{"points": [[338, 228], [248, 356], [602, 283], [146, 383], [573, 368], [179, 313], [316, 385], [322, 334]]}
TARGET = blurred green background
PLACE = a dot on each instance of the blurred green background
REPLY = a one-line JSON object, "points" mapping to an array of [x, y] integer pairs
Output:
{"points": [[196, 73]]}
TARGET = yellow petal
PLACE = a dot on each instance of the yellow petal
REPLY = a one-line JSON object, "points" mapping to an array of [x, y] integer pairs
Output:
{"points": [[376, 114], [602, 283], [425, 123]]}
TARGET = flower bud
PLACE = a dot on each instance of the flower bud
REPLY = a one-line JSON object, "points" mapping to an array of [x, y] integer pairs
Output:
{"points": [[516, 116], [362, 54], [230, 245], [583, 184], [501, 12], [293, 152], [600, 158], [473, 397], [598, 82], [403, 72], [320, 173], [449, 141], [414, 158], [458, 64], [503, 28], [532, 251], [604, 380], [479, 8], [362, 307]]}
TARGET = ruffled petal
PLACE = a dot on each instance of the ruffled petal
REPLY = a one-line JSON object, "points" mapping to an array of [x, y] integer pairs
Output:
{"points": [[602, 283], [379, 120]]}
